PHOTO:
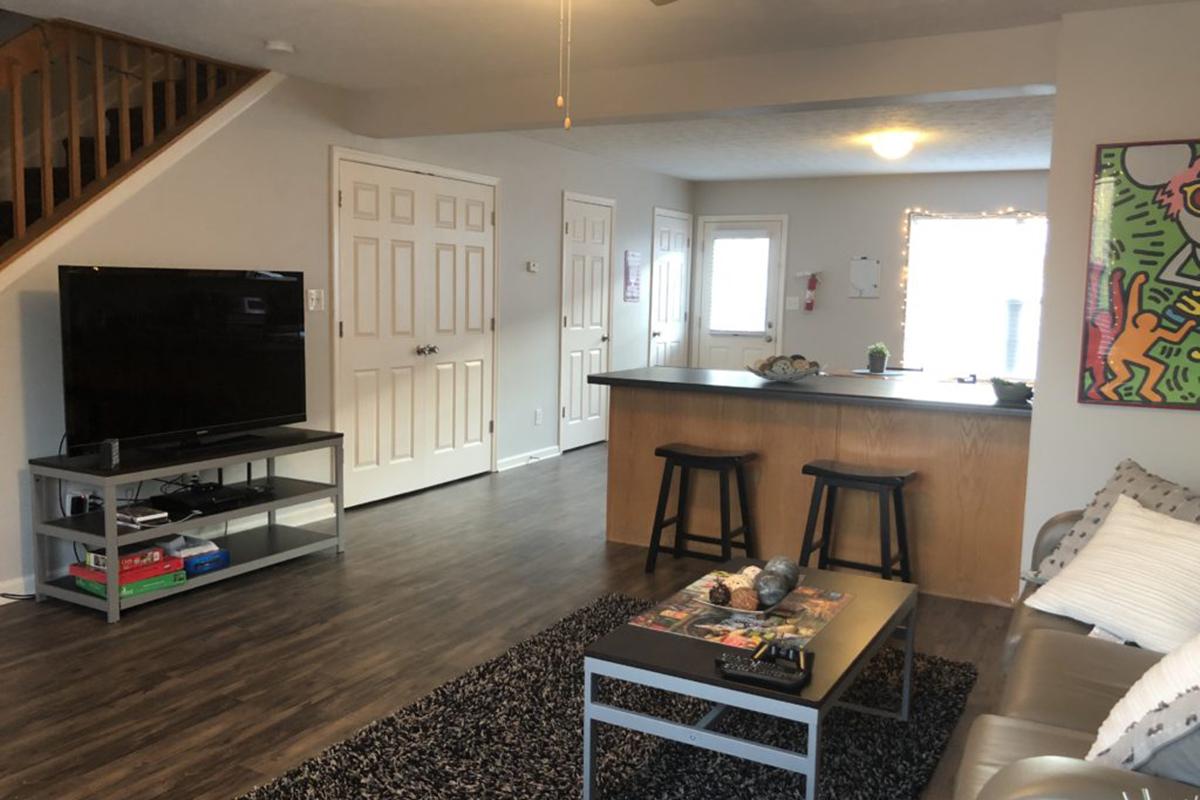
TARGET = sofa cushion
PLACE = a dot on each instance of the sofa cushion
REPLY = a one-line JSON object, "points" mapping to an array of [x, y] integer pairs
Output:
{"points": [[1130, 578], [994, 742], [1155, 727], [1059, 778], [1071, 681], [1025, 619], [1130, 480]]}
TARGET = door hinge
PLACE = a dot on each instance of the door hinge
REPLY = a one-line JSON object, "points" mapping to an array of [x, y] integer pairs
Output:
{"points": [[341, 329], [564, 412], [566, 228], [491, 426], [564, 320], [339, 198], [493, 323], [493, 219]]}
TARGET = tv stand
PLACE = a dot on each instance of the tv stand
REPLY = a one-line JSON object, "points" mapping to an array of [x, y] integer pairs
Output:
{"points": [[250, 547]]}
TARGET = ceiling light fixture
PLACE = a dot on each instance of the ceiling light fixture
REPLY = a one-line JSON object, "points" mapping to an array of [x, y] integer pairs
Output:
{"points": [[565, 31], [892, 144], [278, 46]]}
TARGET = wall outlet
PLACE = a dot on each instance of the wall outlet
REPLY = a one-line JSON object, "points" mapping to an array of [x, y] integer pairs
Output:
{"points": [[316, 299], [538, 416]]}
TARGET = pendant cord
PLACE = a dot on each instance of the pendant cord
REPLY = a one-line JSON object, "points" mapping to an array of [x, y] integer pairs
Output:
{"points": [[562, 14], [570, 41]]}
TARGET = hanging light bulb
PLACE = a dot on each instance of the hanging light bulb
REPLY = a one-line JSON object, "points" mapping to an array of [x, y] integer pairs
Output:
{"points": [[562, 4], [566, 123]]}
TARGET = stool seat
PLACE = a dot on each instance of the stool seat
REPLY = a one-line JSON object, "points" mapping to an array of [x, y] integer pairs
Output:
{"points": [[704, 457], [839, 470]]}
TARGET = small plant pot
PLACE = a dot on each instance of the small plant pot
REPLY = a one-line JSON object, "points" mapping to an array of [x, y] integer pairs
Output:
{"points": [[876, 362]]}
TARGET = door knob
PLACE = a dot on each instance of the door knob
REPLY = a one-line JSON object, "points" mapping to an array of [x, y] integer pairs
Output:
{"points": [[604, 338], [656, 334], [422, 350], [770, 338], [433, 348]]}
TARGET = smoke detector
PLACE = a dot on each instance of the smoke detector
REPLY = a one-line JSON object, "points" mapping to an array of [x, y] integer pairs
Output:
{"points": [[279, 46]]}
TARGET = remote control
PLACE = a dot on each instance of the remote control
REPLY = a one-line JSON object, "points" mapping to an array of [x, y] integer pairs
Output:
{"points": [[763, 669]]}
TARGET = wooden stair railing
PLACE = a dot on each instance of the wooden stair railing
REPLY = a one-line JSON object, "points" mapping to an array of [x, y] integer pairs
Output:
{"points": [[109, 101]]}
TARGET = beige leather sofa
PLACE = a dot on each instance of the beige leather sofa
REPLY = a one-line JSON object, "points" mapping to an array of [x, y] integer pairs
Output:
{"points": [[1059, 688]]}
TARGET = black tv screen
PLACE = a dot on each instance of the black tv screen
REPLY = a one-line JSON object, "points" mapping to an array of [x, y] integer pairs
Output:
{"points": [[157, 354]]}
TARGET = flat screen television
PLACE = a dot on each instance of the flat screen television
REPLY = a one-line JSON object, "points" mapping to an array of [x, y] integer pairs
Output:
{"points": [[157, 355]]}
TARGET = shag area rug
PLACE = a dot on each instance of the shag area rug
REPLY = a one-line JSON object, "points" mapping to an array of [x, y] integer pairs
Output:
{"points": [[512, 728]]}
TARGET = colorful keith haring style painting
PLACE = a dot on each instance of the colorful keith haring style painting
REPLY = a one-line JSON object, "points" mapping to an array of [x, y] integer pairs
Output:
{"points": [[1141, 346]]}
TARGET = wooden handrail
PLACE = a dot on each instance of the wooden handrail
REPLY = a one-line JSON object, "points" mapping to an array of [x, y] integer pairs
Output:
{"points": [[113, 73]]}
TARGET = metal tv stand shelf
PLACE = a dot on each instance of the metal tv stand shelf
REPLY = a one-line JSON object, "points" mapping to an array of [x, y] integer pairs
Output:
{"points": [[249, 549]]}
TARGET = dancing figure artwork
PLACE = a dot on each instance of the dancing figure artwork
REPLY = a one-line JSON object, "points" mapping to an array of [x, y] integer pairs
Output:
{"points": [[1141, 346]]}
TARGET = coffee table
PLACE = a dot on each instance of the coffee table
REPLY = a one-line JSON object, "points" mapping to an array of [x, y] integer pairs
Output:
{"points": [[879, 611]]}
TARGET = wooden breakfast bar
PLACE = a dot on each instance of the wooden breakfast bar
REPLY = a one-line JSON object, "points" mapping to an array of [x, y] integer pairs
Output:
{"points": [[964, 506]]}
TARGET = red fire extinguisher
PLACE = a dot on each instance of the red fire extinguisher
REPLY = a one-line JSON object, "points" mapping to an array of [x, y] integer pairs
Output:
{"points": [[810, 292]]}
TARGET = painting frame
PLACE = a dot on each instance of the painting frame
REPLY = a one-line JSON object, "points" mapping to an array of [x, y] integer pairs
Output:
{"points": [[1140, 344]]}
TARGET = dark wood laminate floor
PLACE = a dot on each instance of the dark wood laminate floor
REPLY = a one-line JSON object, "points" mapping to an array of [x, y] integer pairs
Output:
{"points": [[214, 691]]}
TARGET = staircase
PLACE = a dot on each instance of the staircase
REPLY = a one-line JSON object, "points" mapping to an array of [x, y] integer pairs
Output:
{"points": [[85, 107]]}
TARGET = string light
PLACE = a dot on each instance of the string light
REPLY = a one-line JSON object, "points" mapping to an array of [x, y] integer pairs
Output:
{"points": [[906, 229], [566, 36]]}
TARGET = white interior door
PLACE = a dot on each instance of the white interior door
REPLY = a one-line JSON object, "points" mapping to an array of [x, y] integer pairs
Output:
{"points": [[741, 283], [587, 253], [669, 288], [414, 306]]}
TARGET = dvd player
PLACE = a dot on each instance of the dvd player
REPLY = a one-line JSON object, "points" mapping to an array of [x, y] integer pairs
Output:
{"points": [[214, 500]]}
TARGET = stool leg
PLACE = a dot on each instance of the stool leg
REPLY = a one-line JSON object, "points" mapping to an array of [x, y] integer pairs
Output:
{"points": [[885, 535], [664, 494], [827, 526], [810, 528], [681, 532], [747, 515], [726, 527], [902, 534]]}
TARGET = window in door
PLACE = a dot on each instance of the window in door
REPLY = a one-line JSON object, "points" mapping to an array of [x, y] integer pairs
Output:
{"points": [[974, 294], [741, 273]]}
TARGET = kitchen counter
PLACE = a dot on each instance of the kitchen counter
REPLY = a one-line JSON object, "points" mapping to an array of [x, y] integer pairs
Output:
{"points": [[909, 391], [964, 506]]}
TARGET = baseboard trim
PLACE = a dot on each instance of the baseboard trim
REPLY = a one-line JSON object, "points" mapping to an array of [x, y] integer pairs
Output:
{"points": [[525, 459], [22, 584]]}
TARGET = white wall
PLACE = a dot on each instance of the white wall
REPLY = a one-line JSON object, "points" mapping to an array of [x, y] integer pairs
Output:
{"points": [[832, 220], [257, 194], [1120, 79]]}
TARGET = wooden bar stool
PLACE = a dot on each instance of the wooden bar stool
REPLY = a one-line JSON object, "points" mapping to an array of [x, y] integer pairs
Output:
{"points": [[687, 458], [888, 484]]}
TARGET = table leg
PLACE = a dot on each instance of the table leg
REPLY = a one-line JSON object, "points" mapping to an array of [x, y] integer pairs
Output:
{"points": [[36, 509], [906, 693], [814, 753], [112, 554], [271, 484], [589, 735]]}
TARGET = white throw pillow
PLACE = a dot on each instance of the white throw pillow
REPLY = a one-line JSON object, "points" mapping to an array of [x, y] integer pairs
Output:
{"points": [[1155, 727], [1136, 579]]}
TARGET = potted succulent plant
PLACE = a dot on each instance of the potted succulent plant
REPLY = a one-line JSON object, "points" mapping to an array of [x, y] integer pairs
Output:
{"points": [[877, 357]]}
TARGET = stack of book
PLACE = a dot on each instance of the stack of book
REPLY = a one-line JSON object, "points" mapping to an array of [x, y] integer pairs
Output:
{"points": [[143, 571]]}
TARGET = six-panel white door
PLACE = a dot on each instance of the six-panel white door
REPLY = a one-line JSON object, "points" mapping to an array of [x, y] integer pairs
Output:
{"points": [[414, 382], [669, 287], [587, 251], [741, 281]]}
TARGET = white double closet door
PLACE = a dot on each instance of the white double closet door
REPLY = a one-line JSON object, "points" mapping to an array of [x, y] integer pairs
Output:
{"points": [[415, 305]]}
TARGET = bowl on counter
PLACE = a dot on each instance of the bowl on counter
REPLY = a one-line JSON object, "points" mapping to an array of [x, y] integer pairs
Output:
{"points": [[784, 369], [1011, 393]]}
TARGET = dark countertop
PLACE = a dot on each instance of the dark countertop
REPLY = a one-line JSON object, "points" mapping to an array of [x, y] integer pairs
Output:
{"points": [[907, 392]]}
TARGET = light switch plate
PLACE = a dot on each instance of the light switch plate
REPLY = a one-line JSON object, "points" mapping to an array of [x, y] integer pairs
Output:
{"points": [[316, 299], [531, 266], [791, 303]]}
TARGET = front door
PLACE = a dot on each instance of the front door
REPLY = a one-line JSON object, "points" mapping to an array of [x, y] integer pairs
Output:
{"points": [[742, 276], [415, 289], [669, 288], [587, 251]]}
